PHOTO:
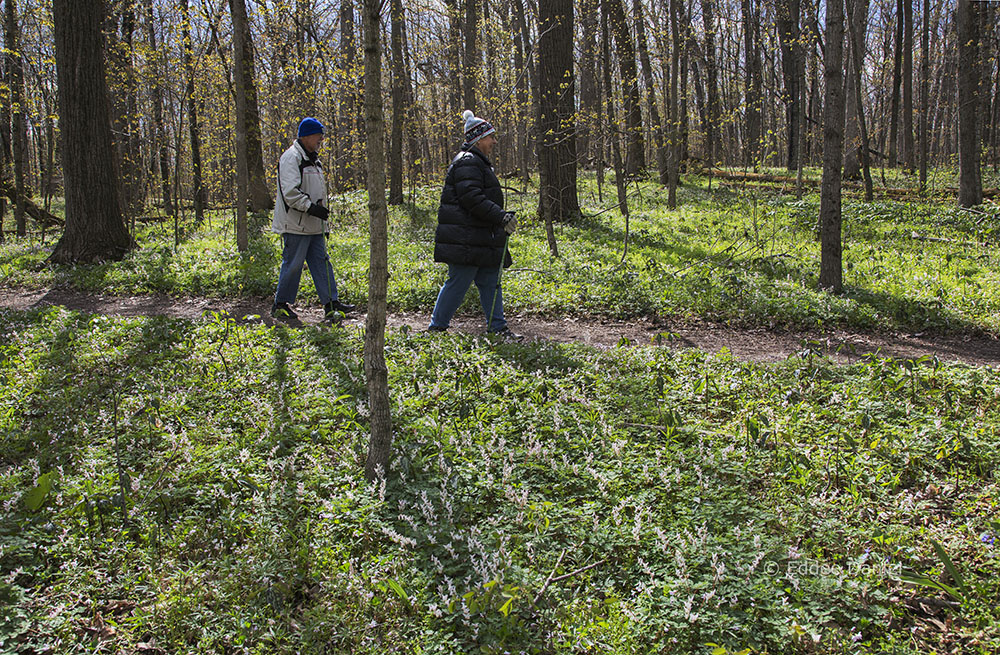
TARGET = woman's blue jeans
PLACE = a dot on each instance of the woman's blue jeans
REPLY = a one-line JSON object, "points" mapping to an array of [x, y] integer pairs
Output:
{"points": [[453, 293], [311, 249]]}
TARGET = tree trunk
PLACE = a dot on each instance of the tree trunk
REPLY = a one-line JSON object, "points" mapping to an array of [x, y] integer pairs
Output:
{"points": [[673, 160], [712, 92], [197, 187], [156, 91], [258, 195], [925, 82], [240, 36], [376, 372], [526, 93], [970, 189], [831, 263], [94, 227], [616, 151], [857, 21], [635, 156], [647, 77], [19, 136], [452, 49], [398, 108], [557, 198], [908, 149], [859, 8], [589, 97], [788, 33], [754, 85], [470, 57], [897, 65]]}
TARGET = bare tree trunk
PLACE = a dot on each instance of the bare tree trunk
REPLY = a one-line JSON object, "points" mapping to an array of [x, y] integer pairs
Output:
{"points": [[19, 136], [908, 149], [635, 156], [831, 263], [125, 103], [612, 124], [197, 186], [860, 8], [454, 61], [925, 82], [651, 106], [258, 195], [94, 227], [589, 99], [970, 189], [240, 34], [526, 94], [754, 84], [376, 372], [398, 109], [673, 162], [713, 85], [856, 20], [156, 91], [470, 57], [788, 34], [557, 198], [897, 65]]}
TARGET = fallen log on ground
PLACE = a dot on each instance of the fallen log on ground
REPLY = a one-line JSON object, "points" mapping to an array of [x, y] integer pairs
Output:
{"points": [[42, 217]]}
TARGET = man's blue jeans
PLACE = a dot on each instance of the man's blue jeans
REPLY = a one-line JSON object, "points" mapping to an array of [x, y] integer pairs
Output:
{"points": [[311, 249], [453, 293]]}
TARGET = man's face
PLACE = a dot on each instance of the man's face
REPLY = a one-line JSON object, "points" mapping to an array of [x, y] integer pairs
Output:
{"points": [[312, 142], [486, 144]]}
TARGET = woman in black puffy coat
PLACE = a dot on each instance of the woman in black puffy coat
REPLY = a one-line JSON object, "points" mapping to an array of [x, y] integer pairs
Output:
{"points": [[472, 231]]}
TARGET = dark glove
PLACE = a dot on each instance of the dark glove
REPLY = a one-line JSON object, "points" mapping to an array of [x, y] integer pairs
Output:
{"points": [[319, 211], [509, 222]]}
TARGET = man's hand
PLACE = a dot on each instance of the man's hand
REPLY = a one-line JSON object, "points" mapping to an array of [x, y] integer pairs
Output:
{"points": [[509, 222], [319, 211]]}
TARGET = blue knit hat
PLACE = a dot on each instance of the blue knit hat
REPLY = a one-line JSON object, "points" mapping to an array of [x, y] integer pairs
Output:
{"points": [[475, 128], [310, 126]]}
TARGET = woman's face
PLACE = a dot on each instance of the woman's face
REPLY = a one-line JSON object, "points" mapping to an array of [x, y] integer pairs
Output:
{"points": [[486, 144]]}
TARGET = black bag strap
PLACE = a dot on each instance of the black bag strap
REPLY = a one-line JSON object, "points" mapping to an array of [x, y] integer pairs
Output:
{"points": [[303, 164]]}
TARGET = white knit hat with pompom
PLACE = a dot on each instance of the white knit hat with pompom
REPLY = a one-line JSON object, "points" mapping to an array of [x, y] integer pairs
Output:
{"points": [[475, 128]]}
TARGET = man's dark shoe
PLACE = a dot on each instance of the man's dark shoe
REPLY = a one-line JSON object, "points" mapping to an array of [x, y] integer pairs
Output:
{"points": [[338, 306], [437, 328], [506, 334], [282, 310]]}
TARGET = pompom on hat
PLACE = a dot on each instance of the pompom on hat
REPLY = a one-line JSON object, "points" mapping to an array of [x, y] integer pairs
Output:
{"points": [[310, 126], [475, 128]]}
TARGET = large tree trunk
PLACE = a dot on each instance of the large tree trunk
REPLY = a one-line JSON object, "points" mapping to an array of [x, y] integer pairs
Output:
{"points": [[376, 372], [970, 188], [635, 156], [651, 105], [197, 187], [240, 36], [19, 136], [831, 263], [125, 103], [589, 97], [398, 108], [557, 199], [94, 226], [788, 33]]}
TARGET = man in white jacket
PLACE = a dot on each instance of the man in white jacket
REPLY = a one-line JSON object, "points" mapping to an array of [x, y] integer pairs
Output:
{"points": [[300, 217]]}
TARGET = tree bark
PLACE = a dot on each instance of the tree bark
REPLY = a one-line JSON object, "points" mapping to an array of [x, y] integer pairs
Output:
{"points": [[94, 227], [240, 36], [925, 82], [398, 108], [712, 93], [376, 372], [557, 198], [19, 136], [197, 186], [470, 57], [156, 91], [908, 149], [856, 19], [831, 262], [788, 14], [258, 195], [589, 97], [616, 151], [859, 8], [970, 188], [635, 156], [897, 78], [526, 93], [651, 106], [753, 84], [673, 153]]}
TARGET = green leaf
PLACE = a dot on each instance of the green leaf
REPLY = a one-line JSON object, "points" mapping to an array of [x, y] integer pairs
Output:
{"points": [[398, 588], [35, 498], [950, 566]]}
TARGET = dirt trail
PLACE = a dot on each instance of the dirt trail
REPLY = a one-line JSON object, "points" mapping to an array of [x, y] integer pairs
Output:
{"points": [[750, 344]]}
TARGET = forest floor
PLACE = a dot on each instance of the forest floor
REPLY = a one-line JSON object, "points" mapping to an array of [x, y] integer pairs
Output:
{"points": [[749, 344]]}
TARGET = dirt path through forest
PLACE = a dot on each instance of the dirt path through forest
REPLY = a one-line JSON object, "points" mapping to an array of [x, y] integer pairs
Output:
{"points": [[751, 344]]}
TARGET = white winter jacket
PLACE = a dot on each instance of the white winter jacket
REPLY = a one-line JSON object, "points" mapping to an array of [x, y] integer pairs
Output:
{"points": [[300, 183]]}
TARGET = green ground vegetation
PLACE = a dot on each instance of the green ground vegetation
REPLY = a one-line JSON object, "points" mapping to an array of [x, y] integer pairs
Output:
{"points": [[745, 256], [197, 487]]}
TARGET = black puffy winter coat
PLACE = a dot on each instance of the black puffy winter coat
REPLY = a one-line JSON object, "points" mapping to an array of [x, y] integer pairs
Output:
{"points": [[470, 218]]}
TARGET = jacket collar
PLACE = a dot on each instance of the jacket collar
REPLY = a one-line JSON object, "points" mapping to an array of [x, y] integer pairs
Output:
{"points": [[476, 151], [305, 153]]}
